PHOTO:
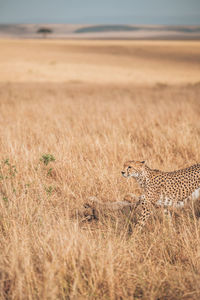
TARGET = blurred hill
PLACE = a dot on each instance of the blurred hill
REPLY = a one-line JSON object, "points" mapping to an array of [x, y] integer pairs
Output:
{"points": [[100, 31]]}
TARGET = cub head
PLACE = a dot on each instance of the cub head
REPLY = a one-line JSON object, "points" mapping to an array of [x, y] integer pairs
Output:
{"points": [[133, 168]]}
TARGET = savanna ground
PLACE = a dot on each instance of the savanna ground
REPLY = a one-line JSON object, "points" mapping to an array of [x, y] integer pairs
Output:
{"points": [[91, 105]]}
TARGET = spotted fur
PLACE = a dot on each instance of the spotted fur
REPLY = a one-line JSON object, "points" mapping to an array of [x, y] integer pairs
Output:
{"points": [[166, 189]]}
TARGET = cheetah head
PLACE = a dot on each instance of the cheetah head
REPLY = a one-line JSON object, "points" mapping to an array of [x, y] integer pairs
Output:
{"points": [[133, 168]]}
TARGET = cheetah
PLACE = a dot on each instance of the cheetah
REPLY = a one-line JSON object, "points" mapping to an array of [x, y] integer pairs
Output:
{"points": [[166, 189]]}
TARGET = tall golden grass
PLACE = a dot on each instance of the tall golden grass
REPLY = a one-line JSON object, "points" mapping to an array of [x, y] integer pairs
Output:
{"points": [[91, 129]]}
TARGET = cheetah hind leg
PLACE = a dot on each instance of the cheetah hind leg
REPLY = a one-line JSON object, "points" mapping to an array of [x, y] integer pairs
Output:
{"points": [[168, 218]]}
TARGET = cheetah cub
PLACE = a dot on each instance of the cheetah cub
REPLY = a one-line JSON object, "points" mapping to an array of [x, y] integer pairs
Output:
{"points": [[167, 189]]}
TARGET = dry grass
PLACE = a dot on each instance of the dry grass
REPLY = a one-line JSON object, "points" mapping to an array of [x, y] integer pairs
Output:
{"points": [[90, 129], [102, 62]]}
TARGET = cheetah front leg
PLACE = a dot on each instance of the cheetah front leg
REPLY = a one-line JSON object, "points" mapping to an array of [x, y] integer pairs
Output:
{"points": [[146, 212], [147, 203]]}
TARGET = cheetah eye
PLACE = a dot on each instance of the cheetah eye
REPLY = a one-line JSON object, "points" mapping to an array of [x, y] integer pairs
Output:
{"points": [[129, 167]]}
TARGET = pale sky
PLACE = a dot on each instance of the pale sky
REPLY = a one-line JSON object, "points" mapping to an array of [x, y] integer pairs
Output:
{"points": [[174, 12]]}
